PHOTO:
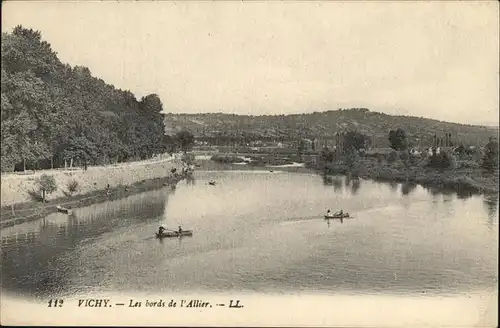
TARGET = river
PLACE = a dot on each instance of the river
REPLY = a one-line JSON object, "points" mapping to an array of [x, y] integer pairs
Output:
{"points": [[261, 231]]}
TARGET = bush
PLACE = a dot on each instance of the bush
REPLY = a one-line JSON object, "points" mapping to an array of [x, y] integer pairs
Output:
{"points": [[392, 157], [468, 164], [72, 186], [440, 161], [227, 159], [188, 158], [46, 184]]}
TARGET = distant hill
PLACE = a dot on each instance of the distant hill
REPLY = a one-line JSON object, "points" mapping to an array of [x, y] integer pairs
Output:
{"points": [[323, 125]]}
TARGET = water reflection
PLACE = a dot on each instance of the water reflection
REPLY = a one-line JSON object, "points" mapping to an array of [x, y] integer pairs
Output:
{"points": [[36, 252], [334, 181], [394, 186], [355, 185], [490, 203], [408, 187], [337, 184], [190, 180]]}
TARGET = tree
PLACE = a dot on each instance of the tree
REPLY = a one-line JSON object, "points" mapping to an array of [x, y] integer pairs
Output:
{"points": [[397, 139], [51, 110], [490, 159], [355, 140], [351, 160], [301, 147], [326, 155], [46, 184], [185, 140]]}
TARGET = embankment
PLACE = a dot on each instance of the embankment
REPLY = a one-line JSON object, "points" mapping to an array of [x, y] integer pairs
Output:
{"points": [[15, 188], [17, 206]]}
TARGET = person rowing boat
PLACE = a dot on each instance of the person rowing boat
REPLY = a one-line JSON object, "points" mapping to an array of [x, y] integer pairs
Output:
{"points": [[161, 229], [337, 215]]}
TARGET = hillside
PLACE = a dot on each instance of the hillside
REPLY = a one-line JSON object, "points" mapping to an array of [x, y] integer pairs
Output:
{"points": [[323, 125]]}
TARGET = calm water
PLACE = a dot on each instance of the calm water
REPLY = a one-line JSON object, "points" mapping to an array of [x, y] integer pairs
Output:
{"points": [[264, 232]]}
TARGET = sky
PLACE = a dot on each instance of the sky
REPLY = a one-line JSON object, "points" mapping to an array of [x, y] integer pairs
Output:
{"points": [[433, 59]]}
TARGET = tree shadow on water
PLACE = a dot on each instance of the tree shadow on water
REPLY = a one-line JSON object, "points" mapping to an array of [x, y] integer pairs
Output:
{"points": [[393, 186], [190, 180], [490, 203], [355, 185], [407, 188], [336, 182]]}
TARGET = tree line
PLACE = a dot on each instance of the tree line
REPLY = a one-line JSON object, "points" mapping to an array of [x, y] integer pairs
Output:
{"points": [[354, 142], [53, 113]]}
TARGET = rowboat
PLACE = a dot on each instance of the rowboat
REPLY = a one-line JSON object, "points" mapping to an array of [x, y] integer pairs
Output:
{"points": [[337, 216], [64, 210], [170, 234]]}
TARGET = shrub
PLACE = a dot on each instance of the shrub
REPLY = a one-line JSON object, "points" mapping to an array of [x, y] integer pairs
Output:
{"points": [[46, 184], [440, 161], [72, 186], [227, 159], [392, 157], [468, 164]]}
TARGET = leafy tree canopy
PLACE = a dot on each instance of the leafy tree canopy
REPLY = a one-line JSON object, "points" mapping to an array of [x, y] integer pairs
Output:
{"points": [[397, 139], [51, 110]]}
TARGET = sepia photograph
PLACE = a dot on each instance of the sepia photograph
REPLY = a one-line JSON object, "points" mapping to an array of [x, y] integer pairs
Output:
{"points": [[250, 163]]}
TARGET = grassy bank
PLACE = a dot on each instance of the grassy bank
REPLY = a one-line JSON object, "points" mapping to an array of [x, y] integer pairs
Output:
{"points": [[460, 180], [32, 210]]}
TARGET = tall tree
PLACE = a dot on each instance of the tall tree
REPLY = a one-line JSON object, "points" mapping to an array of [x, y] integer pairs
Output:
{"points": [[52, 110], [397, 139]]}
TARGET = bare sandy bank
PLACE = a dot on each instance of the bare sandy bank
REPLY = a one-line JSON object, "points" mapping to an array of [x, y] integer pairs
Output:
{"points": [[14, 187]]}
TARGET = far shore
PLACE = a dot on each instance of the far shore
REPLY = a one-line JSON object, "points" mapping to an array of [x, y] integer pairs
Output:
{"points": [[462, 181]]}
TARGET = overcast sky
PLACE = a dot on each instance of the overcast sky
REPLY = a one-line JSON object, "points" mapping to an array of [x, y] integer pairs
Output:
{"points": [[431, 59]]}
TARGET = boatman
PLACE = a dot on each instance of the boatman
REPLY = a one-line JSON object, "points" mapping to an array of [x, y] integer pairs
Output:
{"points": [[180, 229], [161, 229]]}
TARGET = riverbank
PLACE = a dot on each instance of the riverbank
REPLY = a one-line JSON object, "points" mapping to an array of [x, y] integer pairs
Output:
{"points": [[18, 206], [470, 180], [16, 189], [30, 211]]}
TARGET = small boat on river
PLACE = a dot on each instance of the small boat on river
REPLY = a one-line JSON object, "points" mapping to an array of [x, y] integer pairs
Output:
{"points": [[64, 210], [171, 234], [337, 216]]}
